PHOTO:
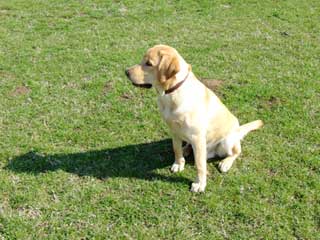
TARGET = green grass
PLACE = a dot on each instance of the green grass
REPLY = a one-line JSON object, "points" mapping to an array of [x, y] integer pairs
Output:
{"points": [[84, 155]]}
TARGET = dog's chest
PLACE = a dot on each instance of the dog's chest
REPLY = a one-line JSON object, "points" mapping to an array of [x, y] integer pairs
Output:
{"points": [[174, 116]]}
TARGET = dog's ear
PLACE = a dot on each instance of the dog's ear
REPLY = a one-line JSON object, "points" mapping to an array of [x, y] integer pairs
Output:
{"points": [[168, 66]]}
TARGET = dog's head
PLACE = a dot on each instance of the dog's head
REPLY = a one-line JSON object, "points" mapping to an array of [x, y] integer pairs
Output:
{"points": [[158, 68]]}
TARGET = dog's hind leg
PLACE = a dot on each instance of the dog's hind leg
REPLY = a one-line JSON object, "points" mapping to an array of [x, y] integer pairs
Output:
{"points": [[226, 163], [211, 154]]}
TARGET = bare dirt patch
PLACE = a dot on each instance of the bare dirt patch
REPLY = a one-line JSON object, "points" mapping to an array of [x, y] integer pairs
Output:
{"points": [[126, 96], [213, 84], [20, 90], [107, 88], [271, 102]]}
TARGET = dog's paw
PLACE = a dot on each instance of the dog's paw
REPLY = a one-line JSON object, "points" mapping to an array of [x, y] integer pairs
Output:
{"points": [[177, 167], [224, 165], [197, 187]]}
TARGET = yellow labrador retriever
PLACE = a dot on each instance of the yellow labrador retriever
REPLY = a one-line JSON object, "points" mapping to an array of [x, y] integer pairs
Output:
{"points": [[193, 113]]}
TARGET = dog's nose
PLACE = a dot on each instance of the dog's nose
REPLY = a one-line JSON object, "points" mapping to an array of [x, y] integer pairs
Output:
{"points": [[127, 72]]}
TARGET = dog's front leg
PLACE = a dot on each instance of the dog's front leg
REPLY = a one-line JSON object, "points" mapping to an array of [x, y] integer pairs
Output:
{"points": [[200, 156], [179, 161]]}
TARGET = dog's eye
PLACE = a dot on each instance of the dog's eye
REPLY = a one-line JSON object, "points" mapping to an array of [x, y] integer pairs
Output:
{"points": [[149, 64]]}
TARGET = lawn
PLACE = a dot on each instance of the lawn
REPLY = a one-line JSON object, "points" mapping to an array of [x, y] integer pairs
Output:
{"points": [[85, 155]]}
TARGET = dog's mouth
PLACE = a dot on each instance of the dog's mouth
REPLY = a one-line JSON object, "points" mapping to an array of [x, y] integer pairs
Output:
{"points": [[143, 85]]}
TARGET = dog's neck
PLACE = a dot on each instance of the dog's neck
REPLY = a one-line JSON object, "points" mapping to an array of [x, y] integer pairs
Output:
{"points": [[175, 87]]}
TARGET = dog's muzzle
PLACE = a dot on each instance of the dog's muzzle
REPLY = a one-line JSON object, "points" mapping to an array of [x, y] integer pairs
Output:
{"points": [[144, 85], [127, 73]]}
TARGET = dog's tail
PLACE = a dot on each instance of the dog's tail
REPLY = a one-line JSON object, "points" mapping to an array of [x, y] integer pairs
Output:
{"points": [[243, 130]]}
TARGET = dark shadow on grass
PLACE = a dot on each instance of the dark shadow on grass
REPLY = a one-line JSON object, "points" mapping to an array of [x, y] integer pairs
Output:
{"points": [[133, 161]]}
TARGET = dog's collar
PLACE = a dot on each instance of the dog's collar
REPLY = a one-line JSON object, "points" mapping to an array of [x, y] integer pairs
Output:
{"points": [[175, 87]]}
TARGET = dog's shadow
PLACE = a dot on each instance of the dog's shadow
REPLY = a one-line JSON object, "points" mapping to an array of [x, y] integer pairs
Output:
{"points": [[132, 161]]}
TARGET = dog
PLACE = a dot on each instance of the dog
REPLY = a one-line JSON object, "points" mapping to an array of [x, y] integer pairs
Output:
{"points": [[193, 112]]}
